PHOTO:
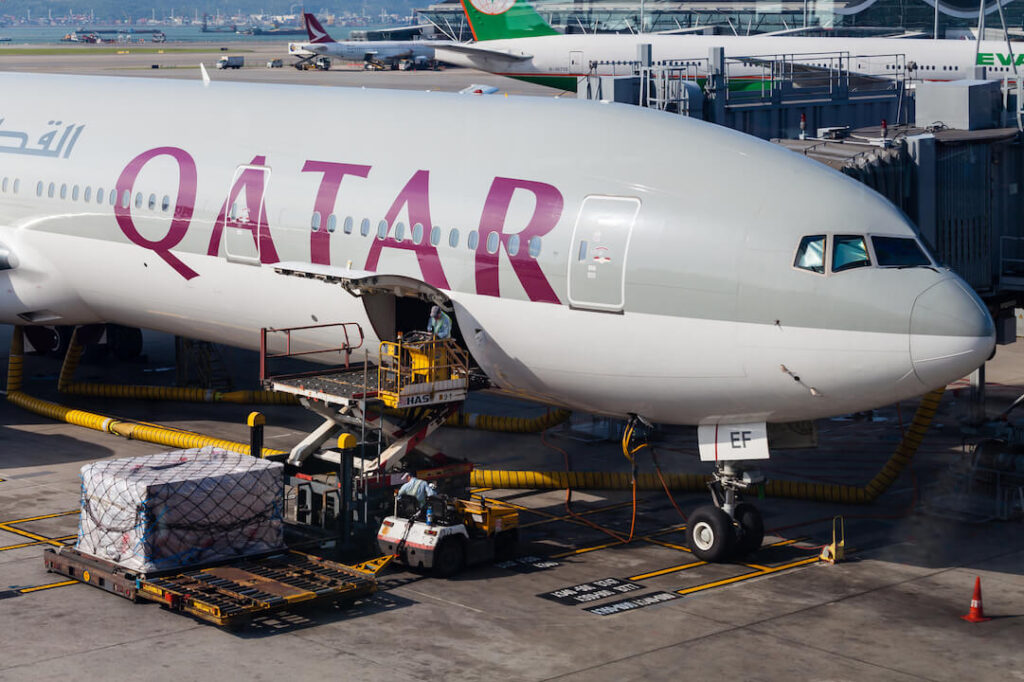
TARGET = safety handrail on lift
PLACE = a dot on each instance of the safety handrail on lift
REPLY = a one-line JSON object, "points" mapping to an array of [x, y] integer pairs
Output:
{"points": [[347, 347]]}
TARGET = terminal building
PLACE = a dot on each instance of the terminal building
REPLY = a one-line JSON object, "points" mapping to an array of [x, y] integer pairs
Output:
{"points": [[832, 17]]}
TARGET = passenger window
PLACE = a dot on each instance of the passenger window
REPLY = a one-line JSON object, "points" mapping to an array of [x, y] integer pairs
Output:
{"points": [[473, 240], [899, 252], [453, 238], [513, 245], [400, 232], [4, 188], [435, 235], [126, 198], [314, 222], [165, 203], [50, 190], [848, 252], [151, 204], [17, 185], [63, 191], [492, 242], [364, 227], [138, 200], [87, 193], [347, 226], [811, 254], [382, 230], [39, 188], [332, 223], [417, 233], [74, 193], [113, 197], [534, 247]]}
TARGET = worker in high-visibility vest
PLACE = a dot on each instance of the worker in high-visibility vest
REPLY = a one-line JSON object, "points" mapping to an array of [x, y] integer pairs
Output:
{"points": [[439, 324]]}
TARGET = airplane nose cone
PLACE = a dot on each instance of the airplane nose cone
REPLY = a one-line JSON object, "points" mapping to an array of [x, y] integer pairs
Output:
{"points": [[951, 333]]}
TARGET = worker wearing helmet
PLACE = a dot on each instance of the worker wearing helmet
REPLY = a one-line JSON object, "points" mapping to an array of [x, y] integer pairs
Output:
{"points": [[439, 324], [417, 488]]}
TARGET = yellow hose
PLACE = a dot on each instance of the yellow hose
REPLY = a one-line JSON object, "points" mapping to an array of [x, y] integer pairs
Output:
{"points": [[817, 492], [487, 422]]}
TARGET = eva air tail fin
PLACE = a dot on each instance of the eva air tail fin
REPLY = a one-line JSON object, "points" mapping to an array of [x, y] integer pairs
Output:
{"points": [[496, 19]]}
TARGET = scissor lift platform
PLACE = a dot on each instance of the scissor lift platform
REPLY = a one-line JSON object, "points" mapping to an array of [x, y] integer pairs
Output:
{"points": [[229, 594], [338, 387]]}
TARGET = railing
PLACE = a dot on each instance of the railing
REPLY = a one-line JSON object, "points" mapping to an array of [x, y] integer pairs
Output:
{"points": [[348, 333], [421, 371]]}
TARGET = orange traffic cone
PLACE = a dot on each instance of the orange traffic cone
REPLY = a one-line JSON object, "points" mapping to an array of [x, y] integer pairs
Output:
{"points": [[977, 613]]}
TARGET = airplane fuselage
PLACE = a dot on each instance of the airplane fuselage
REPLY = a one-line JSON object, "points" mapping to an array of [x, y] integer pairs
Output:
{"points": [[596, 256], [363, 50]]}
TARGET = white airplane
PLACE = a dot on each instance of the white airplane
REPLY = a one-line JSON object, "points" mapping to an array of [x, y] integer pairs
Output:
{"points": [[378, 52], [514, 40], [622, 276]]}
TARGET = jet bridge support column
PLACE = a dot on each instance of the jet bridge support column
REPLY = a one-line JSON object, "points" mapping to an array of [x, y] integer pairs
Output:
{"points": [[716, 87]]}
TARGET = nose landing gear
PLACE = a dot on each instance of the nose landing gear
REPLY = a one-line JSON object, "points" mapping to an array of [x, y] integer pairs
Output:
{"points": [[729, 528]]}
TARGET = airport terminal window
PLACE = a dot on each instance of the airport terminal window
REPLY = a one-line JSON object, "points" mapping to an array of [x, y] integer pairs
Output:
{"points": [[314, 222], [399, 232], [849, 251], [364, 227], [899, 252], [534, 247], [417, 233], [513, 245], [382, 230], [332, 223], [811, 254], [347, 225], [87, 194], [492, 242], [473, 240], [435, 235], [453, 238]]}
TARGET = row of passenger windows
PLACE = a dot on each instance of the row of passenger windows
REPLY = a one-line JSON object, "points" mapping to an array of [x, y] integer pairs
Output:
{"points": [[851, 251], [12, 185], [418, 232], [74, 193]]}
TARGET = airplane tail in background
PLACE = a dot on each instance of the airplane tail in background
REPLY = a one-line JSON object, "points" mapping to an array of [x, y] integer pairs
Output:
{"points": [[496, 19], [316, 32]]}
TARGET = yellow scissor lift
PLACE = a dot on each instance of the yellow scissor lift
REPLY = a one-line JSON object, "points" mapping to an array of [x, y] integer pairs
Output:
{"points": [[425, 371]]}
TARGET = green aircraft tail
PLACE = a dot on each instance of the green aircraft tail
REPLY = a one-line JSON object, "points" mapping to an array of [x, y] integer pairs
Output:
{"points": [[495, 19]]}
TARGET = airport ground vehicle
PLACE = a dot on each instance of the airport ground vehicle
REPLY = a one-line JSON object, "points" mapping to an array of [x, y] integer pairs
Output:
{"points": [[275, 63], [447, 534], [319, 64], [227, 62]]}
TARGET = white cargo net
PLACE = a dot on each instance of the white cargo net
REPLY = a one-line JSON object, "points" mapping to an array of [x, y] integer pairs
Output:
{"points": [[180, 508]]}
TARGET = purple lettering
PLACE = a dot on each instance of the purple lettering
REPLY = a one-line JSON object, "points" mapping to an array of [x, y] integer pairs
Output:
{"points": [[545, 216], [415, 195], [253, 182], [326, 196], [184, 205]]}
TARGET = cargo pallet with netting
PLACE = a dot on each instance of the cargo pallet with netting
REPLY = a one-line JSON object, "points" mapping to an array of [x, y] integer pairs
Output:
{"points": [[228, 594]]}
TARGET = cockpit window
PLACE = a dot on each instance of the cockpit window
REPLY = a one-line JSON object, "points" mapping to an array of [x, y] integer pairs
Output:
{"points": [[811, 254], [849, 251], [899, 251]]}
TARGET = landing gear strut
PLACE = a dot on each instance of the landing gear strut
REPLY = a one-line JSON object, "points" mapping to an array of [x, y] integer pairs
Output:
{"points": [[729, 528]]}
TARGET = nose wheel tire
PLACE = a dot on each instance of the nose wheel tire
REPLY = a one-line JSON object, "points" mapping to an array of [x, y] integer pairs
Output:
{"points": [[710, 534], [750, 527]]}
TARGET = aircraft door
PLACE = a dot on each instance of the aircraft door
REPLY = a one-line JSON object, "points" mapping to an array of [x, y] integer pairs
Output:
{"points": [[245, 214], [600, 243], [576, 62]]}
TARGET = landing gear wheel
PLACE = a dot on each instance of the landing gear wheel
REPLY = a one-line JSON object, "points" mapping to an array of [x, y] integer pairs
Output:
{"points": [[710, 534], [449, 558], [750, 528]]}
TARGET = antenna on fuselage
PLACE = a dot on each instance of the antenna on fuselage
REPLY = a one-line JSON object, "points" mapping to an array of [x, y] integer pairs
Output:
{"points": [[206, 76]]}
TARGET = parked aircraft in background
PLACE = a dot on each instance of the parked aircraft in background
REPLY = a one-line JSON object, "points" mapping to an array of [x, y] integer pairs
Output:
{"points": [[638, 285], [379, 53], [514, 40]]}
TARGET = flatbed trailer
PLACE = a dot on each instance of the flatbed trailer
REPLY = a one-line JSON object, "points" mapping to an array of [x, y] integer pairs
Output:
{"points": [[228, 594]]}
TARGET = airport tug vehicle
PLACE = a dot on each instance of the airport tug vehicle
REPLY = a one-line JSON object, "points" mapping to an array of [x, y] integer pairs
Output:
{"points": [[447, 534]]}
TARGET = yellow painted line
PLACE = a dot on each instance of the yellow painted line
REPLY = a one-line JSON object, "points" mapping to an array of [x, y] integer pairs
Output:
{"points": [[40, 518], [665, 571], [747, 576], [666, 544], [756, 567], [783, 543], [36, 542], [31, 536], [583, 513], [584, 550], [37, 588], [475, 491]]}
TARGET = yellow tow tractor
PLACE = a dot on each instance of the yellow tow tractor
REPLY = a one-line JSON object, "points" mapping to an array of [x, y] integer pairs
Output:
{"points": [[447, 534]]}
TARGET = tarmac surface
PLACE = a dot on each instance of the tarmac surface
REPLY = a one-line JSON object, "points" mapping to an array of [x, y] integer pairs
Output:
{"points": [[890, 612]]}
